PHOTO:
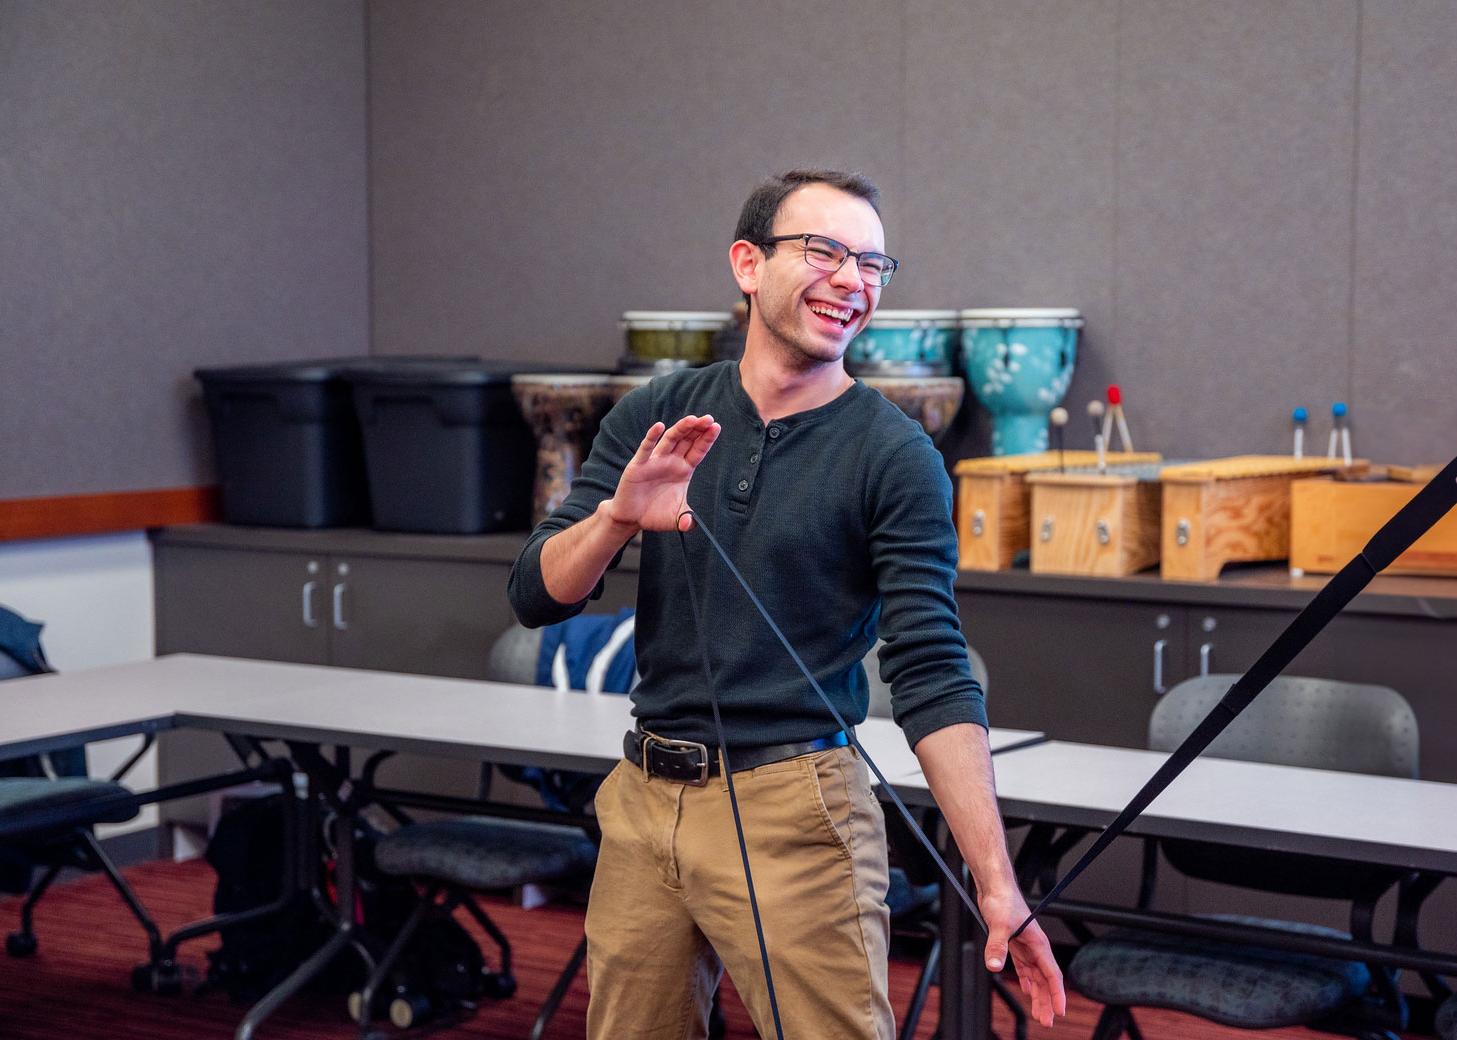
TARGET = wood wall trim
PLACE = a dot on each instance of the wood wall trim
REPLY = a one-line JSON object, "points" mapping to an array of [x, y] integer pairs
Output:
{"points": [[107, 513]]}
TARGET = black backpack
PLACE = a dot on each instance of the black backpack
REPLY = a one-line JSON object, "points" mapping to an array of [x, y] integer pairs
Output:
{"points": [[246, 852]]}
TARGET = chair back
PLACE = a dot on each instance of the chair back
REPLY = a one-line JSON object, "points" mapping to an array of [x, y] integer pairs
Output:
{"points": [[516, 658], [514, 654], [21, 655], [1295, 721], [880, 689], [588, 654]]}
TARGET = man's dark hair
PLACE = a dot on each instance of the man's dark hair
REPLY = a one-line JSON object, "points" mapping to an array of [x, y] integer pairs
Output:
{"points": [[756, 219]]}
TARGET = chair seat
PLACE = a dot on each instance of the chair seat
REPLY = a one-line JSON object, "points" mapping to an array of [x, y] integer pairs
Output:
{"points": [[481, 852], [28, 794], [1233, 984]]}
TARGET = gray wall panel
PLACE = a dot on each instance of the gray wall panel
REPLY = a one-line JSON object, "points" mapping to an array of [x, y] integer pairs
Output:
{"points": [[185, 183], [1234, 218], [1009, 167], [1184, 171], [181, 184], [537, 169], [1404, 365]]}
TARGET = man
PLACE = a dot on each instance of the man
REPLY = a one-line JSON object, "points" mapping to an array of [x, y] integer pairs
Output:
{"points": [[836, 508]]}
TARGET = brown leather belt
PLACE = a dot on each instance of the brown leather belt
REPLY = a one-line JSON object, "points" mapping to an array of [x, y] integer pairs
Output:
{"points": [[689, 762]]}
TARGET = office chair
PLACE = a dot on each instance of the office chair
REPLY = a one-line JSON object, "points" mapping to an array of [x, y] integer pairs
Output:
{"points": [[58, 782], [450, 858], [1447, 1020], [913, 896], [1316, 723]]}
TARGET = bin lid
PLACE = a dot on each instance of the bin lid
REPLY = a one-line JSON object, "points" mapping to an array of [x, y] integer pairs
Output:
{"points": [[442, 372], [321, 370], [1029, 317], [890, 319], [676, 321]]}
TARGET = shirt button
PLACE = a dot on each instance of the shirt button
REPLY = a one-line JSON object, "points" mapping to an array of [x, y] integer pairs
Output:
{"points": [[753, 458], [743, 485], [773, 432]]}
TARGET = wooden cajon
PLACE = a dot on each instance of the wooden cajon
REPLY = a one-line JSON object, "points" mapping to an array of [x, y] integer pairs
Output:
{"points": [[1103, 524], [1331, 521], [993, 498], [1232, 510]]}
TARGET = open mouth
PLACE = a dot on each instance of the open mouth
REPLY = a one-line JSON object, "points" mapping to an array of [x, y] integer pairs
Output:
{"points": [[831, 316]]}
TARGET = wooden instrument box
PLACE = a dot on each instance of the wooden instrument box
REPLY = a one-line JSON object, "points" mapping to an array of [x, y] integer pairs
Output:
{"points": [[1104, 524], [1332, 520], [992, 501], [1232, 510]]}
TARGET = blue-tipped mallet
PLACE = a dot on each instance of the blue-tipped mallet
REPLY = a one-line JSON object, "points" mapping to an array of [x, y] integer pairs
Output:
{"points": [[1340, 433]]}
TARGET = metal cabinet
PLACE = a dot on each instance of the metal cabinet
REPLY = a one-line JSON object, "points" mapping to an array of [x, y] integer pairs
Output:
{"points": [[1075, 669], [408, 615], [1092, 670], [1080, 659], [424, 605], [269, 605]]}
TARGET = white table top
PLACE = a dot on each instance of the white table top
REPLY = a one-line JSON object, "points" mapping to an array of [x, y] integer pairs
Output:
{"points": [[453, 717], [1405, 822], [48, 712], [1410, 823]]}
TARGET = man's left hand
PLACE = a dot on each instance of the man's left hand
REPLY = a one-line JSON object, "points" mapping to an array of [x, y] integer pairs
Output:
{"points": [[1037, 970]]}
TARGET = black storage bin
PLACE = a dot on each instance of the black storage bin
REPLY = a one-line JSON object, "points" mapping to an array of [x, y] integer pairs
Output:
{"points": [[288, 447], [446, 447]]}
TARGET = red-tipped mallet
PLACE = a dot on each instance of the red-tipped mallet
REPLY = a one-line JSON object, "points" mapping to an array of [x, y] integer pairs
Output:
{"points": [[1115, 413]]}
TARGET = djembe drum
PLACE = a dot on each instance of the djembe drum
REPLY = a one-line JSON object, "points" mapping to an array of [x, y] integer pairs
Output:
{"points": [[1019, 362]]}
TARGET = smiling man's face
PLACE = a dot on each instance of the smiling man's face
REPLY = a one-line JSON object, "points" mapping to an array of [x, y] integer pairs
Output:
{"points": [[812, 315]]}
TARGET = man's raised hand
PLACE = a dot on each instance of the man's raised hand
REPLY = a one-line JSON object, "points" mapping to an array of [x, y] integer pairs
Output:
{"points": [[653, 490]]}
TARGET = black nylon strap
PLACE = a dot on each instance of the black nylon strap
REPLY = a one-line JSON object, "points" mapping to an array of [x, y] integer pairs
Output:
{"points": [[1414, 519], [728, 773], [885, 784]]}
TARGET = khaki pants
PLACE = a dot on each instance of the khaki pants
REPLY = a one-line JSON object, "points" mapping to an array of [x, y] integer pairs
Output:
{"points": [[669, 900]]}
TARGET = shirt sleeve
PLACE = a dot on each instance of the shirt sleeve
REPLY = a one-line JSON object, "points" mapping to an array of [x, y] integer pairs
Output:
{"points": [[913, 552], [621, 431]]}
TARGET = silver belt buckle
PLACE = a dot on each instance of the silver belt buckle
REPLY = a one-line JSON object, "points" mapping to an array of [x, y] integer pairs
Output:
{"points": [[676, 745]]}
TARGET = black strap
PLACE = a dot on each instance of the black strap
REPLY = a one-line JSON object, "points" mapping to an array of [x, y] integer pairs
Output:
{"points": [[1414, 519], [885, 786], [728, 773]]}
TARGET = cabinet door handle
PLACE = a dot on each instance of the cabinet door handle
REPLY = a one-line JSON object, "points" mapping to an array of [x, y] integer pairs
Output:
{"points": [[1204, 651], [339, 621], [309, 620], [1158, 665]]}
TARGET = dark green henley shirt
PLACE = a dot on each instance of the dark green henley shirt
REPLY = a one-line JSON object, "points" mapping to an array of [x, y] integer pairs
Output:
{"points": [[839, 518]]}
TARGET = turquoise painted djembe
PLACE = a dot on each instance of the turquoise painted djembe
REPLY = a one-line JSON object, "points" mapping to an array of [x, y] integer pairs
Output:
{"points": [[1019, 361], [905, 344]]}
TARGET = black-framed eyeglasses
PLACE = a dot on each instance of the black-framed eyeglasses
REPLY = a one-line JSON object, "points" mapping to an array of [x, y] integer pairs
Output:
{"points": [[825, 254]]}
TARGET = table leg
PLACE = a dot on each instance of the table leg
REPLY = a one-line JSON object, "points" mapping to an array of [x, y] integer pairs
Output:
{"points": [[966, 1006]]}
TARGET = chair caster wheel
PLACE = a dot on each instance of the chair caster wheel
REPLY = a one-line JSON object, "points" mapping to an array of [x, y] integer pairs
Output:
{"points": [[163, 978], [356, 1005], [20, 944], [411, 1009], [498, 985]]}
